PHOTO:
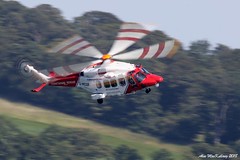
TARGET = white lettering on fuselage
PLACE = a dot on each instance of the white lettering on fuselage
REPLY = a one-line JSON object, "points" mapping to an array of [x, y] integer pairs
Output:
{"points": [[63, 83]]}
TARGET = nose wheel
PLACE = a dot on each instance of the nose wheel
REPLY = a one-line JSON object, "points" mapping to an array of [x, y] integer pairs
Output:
{"points": [[100, 101], [148, 90]]}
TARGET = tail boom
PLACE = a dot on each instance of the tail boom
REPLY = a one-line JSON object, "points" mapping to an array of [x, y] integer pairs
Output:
{"points": [[65, 81], [38, 75], [52, 80]]}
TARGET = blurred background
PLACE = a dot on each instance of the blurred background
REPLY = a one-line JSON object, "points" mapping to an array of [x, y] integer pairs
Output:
{"points": [[195, 111]]}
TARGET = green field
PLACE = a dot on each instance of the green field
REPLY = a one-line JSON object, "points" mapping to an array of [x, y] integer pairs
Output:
{"points": [[34, 120]]}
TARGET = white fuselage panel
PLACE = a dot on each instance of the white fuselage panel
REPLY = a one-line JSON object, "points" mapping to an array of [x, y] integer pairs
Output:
{"points": [[109, 78]]}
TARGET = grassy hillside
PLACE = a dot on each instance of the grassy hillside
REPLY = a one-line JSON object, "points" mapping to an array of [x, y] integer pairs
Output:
{"points": [[34, 120]]}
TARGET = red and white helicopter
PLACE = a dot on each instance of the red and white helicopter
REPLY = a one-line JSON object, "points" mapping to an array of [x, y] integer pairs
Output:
{"points": [[105, 76]]}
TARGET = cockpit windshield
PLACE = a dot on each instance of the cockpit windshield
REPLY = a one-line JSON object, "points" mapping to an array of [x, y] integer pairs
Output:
{"points": [[145, 71], [140, 76]]}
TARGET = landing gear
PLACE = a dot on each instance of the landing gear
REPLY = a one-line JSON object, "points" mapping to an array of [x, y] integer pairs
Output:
{"points": [[148, 90], [100, 101], [99, 97]]}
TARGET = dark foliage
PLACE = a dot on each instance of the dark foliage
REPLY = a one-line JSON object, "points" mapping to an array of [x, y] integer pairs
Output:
{"points": [[125, 153], [162, 155]]}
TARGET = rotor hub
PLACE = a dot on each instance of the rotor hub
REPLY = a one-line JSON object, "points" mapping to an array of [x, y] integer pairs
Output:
{"points": [[106, 56]]}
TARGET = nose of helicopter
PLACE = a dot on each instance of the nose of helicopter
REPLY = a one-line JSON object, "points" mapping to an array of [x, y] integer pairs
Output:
{"points": [[159, 79], [156, 78], [152, 80]]}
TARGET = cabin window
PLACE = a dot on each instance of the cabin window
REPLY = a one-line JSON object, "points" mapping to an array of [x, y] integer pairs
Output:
{"points": [[106, 83], [114, 83], [98, 84], [122, 81]]}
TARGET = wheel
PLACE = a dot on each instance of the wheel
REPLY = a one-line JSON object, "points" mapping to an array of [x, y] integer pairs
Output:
{"points": [[100, 101], [148, 90]]}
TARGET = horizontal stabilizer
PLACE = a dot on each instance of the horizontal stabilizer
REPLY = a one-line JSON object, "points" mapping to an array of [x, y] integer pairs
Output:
{"points": [[39, 88]]}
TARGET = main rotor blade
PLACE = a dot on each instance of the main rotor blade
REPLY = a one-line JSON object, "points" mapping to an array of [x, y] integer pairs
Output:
{"points": [[70, 69], [76, 45], [160, 50], [129, 34]]}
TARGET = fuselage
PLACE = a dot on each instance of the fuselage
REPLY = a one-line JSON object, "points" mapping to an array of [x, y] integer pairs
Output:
{"points": [[106, 78], [116, 78]]}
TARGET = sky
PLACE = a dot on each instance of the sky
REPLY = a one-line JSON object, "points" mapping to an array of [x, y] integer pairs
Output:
{"points": [[187, 20]]}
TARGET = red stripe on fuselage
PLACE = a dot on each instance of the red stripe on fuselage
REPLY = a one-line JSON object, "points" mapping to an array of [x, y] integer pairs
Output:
{"points": [[70, 45], [80, 49], [65, 81], [160, 49]]}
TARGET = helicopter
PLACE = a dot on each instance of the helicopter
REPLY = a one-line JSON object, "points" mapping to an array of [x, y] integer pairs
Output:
{"points": [[106, 76]]}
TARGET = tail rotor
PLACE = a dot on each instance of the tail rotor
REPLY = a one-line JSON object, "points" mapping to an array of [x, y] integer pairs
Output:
{"points": [[22, 68]]}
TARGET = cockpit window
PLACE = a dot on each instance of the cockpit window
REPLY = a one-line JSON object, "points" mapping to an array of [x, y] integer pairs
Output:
{"points": [[140, 76], [145, 71]]}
